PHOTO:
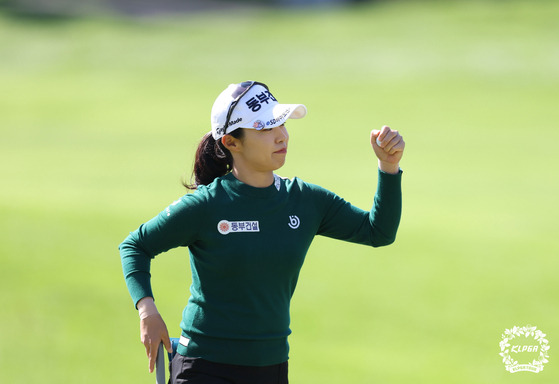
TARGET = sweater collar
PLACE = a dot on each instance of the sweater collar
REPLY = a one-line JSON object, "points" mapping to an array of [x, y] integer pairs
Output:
{"points": [[231, 182]]}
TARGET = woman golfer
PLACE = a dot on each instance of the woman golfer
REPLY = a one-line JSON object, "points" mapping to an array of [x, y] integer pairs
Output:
{"points": [[248, 231]]}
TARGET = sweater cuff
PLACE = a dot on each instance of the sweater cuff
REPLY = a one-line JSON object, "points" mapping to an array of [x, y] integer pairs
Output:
{"points": [[389, 188], [390, 180], [391, 174], [139, 286]]}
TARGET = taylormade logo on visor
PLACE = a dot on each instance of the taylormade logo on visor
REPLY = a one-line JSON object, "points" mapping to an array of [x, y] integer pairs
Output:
{"points": [[234, 122]]}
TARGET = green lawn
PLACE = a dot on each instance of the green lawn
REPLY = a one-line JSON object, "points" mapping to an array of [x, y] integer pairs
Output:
{"points": [[99, 120]]}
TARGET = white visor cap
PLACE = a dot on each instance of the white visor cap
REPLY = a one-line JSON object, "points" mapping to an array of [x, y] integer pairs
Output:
{"points": [[257, 109]]}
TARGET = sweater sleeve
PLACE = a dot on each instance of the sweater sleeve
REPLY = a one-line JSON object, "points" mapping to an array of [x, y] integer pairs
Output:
{"points": [[173, 227], [377, 227]]}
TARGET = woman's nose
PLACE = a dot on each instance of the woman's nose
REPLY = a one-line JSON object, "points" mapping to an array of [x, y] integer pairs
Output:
{"points": [[282, 136]]}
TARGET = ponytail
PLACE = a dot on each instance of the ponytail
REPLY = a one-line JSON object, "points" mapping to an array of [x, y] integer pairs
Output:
{"points": [[212, 160]]}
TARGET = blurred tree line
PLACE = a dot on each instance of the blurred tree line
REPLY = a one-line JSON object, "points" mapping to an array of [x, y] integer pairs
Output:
{"points": [[72, 8]]}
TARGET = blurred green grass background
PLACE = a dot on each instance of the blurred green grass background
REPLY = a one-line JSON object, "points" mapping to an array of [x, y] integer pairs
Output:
{"points": [[100, 117]]}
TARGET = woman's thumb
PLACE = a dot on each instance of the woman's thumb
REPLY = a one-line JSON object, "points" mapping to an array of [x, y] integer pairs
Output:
{"points": [[374, 136]]}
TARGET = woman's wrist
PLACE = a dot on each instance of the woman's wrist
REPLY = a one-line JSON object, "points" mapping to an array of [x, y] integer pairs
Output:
{"points": [[146, 307], [389, 167]]}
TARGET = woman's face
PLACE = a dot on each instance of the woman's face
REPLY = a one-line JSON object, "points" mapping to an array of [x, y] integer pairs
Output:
{"points": [[263, 150]]}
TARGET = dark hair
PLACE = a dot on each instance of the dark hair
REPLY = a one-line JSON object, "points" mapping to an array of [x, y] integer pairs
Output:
{"points": [[212, 160]]}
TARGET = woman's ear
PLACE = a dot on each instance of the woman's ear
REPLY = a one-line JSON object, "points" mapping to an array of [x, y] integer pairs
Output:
{"points": [[231, 143]]}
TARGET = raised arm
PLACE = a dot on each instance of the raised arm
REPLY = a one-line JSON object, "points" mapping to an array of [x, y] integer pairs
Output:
{"points": [[377, 227]]}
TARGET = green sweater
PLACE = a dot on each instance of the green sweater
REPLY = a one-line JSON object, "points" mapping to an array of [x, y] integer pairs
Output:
{"points": [[247, 246]]}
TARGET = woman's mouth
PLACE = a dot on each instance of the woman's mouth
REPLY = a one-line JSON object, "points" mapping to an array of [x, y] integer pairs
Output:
{"points": [[281, 151]]}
